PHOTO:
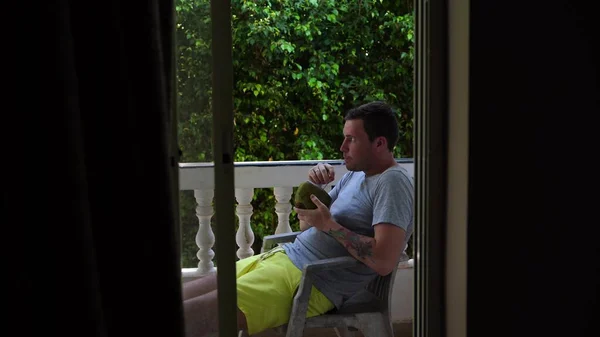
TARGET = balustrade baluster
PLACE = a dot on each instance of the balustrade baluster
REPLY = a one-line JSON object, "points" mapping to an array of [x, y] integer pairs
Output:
{"points": [[283, 208], [244, 236], [205, 238]]}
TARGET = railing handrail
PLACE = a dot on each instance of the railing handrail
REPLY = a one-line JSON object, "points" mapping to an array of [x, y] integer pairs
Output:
{"points": [[187, 165], [260, 174]]}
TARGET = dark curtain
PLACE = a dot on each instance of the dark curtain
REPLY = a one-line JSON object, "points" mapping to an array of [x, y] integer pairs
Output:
{"points": [[90, 193], [533, 256]]}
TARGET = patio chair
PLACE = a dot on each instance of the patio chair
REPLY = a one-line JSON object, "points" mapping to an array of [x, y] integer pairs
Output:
{"points": [[367, 311]]}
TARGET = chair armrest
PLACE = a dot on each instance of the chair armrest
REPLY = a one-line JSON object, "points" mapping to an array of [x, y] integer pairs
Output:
{"points": [[300, 303], [329, 264], [270, 241]]}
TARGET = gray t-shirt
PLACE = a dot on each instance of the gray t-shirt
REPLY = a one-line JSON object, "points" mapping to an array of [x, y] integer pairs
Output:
{"points": [[359, 203]]}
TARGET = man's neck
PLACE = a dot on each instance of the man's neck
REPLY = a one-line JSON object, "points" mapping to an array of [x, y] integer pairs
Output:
{"points": [[384, 165]]}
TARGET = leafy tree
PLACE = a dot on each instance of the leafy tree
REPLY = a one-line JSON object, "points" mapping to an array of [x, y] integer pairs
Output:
{"points": [[299, 65]]}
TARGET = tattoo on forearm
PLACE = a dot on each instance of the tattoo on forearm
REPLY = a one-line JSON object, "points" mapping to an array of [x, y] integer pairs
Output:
{"points": [[363, 248]]}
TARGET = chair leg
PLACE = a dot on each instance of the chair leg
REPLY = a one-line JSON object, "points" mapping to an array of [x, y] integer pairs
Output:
{"points": [[375, 325], [388, 326], [292, 331], [344, 332]]}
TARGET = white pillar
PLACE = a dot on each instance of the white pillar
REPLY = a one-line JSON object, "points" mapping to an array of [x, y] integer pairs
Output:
{"points": [[205, 238], [283, 208], [244, 236]]}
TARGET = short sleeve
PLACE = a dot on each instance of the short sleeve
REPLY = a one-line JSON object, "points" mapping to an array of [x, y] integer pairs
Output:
{"points": [[393, 198]]}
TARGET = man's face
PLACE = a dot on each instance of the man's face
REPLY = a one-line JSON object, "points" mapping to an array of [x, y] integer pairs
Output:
{"points": [[356, 147]]}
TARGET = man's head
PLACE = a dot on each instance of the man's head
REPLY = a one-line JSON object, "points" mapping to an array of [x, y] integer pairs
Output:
{"points": [[370, 134]]}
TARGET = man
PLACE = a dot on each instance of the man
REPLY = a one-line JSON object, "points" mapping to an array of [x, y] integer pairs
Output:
{"points": [[370, 218]]}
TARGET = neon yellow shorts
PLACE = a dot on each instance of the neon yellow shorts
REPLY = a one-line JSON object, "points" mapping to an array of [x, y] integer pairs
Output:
{"points": [[266, 286]]}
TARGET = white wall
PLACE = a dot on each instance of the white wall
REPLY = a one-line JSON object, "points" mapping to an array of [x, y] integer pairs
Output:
{"points": [[403, 293]]}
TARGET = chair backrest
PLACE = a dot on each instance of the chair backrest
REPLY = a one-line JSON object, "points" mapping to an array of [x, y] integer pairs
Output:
{"points": [[382, 287], [376, 296]]}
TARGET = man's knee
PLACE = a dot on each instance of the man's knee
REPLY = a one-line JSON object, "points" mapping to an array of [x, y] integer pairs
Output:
{"points": [[241, 320]]}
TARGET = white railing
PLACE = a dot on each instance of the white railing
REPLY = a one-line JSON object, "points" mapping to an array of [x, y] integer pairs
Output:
{"points": [[282, 176]]}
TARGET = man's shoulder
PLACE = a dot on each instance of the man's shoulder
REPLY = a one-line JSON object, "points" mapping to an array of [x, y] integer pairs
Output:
{"points": [[396, 175]]}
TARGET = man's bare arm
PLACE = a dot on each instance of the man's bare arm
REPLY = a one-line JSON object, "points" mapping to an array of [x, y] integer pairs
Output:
{"points": [[380, 253]]}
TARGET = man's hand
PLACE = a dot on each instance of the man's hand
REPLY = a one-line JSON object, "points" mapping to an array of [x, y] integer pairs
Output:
{"points": [[321, 174], [319, 218]]}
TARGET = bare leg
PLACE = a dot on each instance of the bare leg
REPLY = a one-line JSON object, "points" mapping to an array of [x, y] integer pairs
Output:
{"points": [[201, 316], [200, 286]]}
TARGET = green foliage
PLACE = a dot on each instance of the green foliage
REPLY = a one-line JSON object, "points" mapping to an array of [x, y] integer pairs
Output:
{"points": [[298, 66]]}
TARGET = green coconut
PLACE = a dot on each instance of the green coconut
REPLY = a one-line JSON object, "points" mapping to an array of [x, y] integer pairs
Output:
{"points": [[302, 197]]}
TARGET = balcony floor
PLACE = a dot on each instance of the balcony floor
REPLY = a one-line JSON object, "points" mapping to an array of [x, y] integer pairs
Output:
{"points": [[400, 330]]}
